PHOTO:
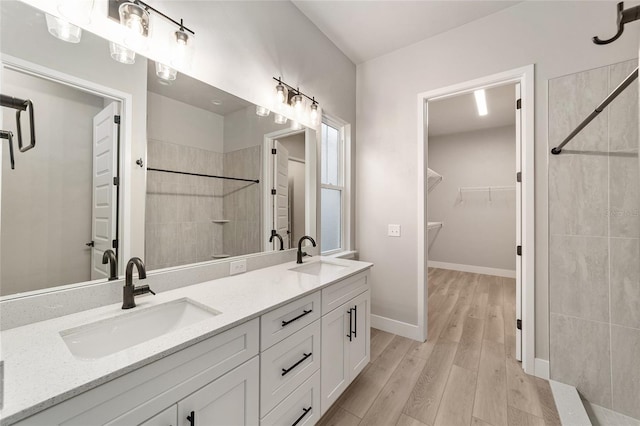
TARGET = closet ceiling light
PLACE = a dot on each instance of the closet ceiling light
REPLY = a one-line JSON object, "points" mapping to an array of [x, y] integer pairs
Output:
{"points": [[165, 72], [63, 30], [481, 102], [136, 21], [262, 111], [122, 54]]}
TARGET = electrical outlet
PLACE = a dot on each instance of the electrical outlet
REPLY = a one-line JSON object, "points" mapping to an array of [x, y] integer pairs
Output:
{"points": [[238, 267], [394, 230]]}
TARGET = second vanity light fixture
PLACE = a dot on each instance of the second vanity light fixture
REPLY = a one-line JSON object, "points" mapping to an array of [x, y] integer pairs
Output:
{"points": [[292, 97], [135, 17]]}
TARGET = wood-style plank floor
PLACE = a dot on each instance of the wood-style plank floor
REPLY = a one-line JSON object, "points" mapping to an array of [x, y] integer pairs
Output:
{"points": [[465, 374]]}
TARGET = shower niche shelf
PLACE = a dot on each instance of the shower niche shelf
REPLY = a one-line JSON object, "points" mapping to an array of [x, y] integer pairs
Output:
{"points": [[433, 179]]}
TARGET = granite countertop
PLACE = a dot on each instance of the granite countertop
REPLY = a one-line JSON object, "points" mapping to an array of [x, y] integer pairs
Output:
{"points": [[40, 371]]}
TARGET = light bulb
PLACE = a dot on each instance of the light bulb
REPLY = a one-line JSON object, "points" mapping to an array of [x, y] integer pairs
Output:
{"points": [[279, 119], [297, 104], [63, 30], [182, 49], [280, 94], [262, 111], [314, 115], [122, 54], [136, 21]]}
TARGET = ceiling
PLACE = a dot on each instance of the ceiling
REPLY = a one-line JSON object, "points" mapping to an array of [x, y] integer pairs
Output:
{"points": [[459, 113], [195, 93], [364, 30]]}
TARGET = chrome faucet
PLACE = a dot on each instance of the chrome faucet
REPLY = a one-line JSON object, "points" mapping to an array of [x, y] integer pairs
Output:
{"points": [[110, 257], [300, 252], [129, 291], [278, 236]]}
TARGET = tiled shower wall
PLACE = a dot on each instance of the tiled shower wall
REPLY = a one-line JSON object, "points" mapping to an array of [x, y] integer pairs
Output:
{"points": [[242, 201], [180, 208], [594, 253]]}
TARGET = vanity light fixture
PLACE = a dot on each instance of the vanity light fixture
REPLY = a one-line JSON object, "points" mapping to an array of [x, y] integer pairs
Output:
{"points": [[165, 72], [481, 102], [262, 111], [135, 19], [63, 30], [279, 119], [182, 54], [122, 54], [293, 97]]}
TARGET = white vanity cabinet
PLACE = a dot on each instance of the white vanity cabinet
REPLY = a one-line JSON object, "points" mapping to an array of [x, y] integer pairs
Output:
{"points": [[345, 335]]}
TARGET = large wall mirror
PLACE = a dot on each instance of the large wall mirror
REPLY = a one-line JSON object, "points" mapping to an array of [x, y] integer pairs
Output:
{"points": [[177, 172]]}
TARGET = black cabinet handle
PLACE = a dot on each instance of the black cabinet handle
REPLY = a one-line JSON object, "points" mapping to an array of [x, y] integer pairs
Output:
{"points": [[286, 323], [355, 315], [306, 410], [350, 321], [192, 418], [5, 134], [286, 370]]}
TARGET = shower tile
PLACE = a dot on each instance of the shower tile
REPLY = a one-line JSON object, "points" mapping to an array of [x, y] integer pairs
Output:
{"points": [[625, 282], [571, 99], [624, 199], [579, 356], [167, 204], [578, 277], [578, 194], [623, 111], [186, 207], [204, 241], [625, 353], [187, 243]]}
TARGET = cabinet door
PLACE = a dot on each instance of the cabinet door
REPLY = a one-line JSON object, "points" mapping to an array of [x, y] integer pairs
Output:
{"points": [[230, 400], [359, 348], [334, 365], [168, 417]]}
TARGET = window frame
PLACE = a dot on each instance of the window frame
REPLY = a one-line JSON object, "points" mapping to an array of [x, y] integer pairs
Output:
{"points": [[344, 181]]}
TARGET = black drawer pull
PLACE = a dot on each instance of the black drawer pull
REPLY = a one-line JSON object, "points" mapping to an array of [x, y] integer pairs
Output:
{"points": [[350, 321], [306, 410], [286, 370], [286, 323], [355, 316], [192, 418]]}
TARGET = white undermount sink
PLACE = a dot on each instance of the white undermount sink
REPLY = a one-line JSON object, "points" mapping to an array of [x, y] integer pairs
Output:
{"points": [[318, 268], [102, 338]]}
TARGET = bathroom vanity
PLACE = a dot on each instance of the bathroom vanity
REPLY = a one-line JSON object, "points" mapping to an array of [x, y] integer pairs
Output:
{"points": [[273, 346]]}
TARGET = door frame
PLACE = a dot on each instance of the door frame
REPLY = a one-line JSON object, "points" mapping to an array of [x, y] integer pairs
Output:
{"points": [[524, 76], [310, 178], [125, 191]]}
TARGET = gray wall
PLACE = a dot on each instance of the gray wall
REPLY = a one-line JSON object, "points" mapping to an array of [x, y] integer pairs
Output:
{"points": [[594, 253], [555, 36], [46, 200], [477, 230]]}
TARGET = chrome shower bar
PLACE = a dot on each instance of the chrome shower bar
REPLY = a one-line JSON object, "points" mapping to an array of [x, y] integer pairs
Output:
{"points": [[625, 83]]}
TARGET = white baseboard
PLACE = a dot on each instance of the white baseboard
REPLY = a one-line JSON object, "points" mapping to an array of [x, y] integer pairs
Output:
{"points": [[400, 328], [542, 368], [507, 273]]}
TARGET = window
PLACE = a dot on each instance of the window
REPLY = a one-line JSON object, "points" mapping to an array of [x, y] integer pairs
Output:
{"points": [[334, 187]]}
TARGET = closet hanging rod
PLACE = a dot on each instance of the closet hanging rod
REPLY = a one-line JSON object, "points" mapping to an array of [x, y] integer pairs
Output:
{"points": [[625, 83], [203, 175]]}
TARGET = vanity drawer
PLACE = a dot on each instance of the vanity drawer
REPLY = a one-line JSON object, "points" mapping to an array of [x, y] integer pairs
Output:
{"points": [[286, 320], [287, 365], [303, 406], [343, 291]]}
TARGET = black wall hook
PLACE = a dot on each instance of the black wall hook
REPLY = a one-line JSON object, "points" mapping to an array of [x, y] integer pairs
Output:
{"points": [[624, 17]]}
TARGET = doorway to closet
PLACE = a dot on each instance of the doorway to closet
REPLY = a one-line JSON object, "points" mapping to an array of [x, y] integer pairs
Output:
{"points": [[475, 219]]}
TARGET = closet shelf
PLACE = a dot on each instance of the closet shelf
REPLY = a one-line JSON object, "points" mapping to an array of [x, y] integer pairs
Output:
{"points": [[434, 225], [433, 179], [220, 256], [220, 221]]}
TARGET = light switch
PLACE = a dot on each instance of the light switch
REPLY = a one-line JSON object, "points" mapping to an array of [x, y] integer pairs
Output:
{"points": [[394, 230], [238, 267]]}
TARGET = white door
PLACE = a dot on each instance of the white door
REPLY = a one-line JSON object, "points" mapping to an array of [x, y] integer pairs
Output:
{"points": [[518, 225], [103, 208], [334, 363], [230, 400], [359, 348], [281, 197]]}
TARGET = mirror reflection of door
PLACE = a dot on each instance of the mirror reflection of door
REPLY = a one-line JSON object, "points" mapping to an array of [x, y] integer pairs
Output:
{"points": [[47, 215]]}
